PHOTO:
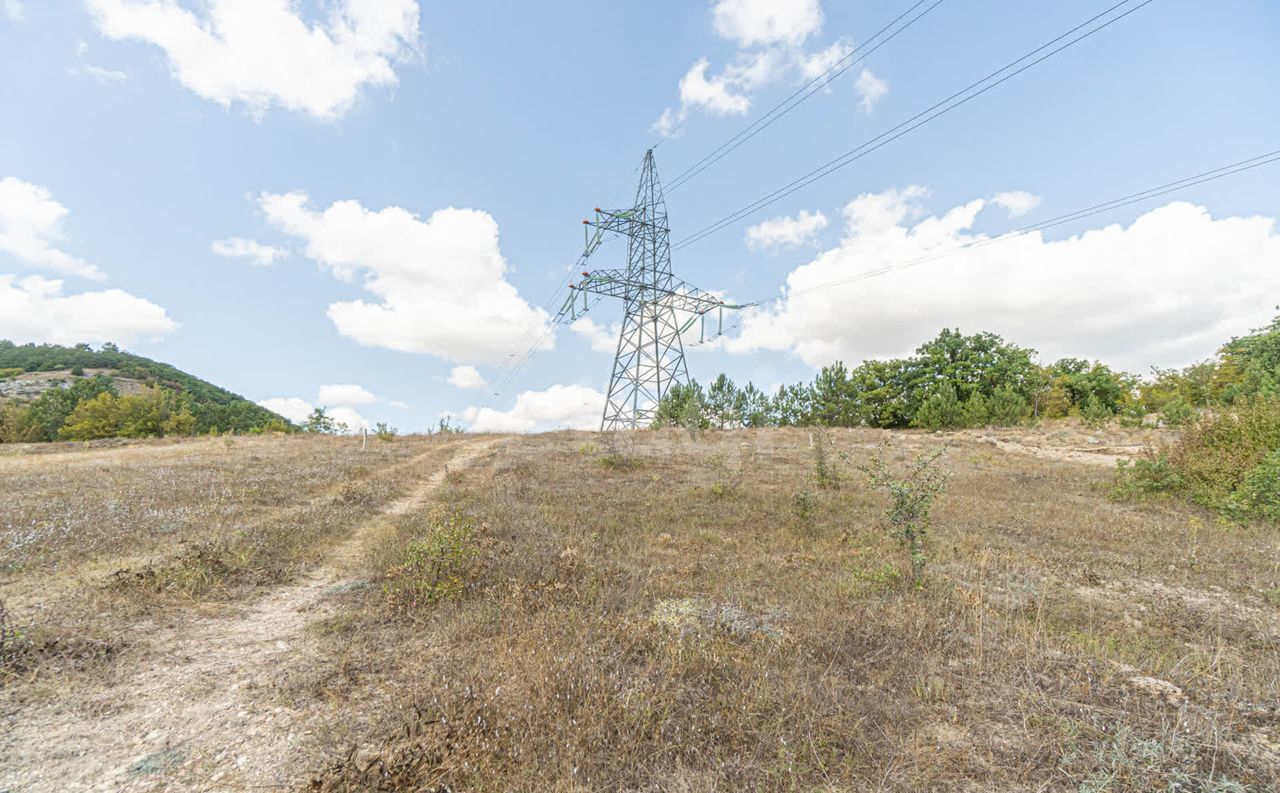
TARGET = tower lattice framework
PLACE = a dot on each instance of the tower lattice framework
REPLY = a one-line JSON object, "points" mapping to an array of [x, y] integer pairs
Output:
{"points": [[659, 308]]}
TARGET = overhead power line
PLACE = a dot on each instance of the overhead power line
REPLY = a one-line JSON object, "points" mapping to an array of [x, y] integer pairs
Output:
{"points": [[1079, 214], [1045, 51], [811, 87]]}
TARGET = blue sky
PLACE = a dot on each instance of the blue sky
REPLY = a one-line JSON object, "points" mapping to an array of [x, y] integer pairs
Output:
{"points": [[417, 174]]}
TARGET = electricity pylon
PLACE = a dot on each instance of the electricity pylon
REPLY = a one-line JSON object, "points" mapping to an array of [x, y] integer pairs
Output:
{"points": [[659, 307]]}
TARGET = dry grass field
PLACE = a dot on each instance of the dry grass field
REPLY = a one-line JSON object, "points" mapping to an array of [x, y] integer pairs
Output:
{"points": [[574, 612]]}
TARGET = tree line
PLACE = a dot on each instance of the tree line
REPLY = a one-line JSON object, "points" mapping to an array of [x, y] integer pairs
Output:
{"points": [[956, 381]]}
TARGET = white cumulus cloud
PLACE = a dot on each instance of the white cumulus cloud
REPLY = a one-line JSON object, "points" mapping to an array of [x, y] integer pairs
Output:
{"points": [[716, 94], [814, 64], [769, 35], [466, 377], [349, 417], [871, 89], [1166, 290], [241, 248], [752, 22], [1016, 202], [34, 309], [786, 231], [439, 284], [262, 53], [345, 394], [298, 410], [600, 338], [31, 227], [101, 74], [559, 407], [292, 408]]}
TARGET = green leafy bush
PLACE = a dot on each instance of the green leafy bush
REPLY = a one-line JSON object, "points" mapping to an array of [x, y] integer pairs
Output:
{"points": [[435, 566], [1258, 497], [153, 413], [911, 500], [941, 411], [1143, 477], [1007, 408], [804, 503], [1177, 412], [882, 579], [976, 413], [825, 471], [321, 423], [1215, 455], [1228, 461], [1096, 413]]}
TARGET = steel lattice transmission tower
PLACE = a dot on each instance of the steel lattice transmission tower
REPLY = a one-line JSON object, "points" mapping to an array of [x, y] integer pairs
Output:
{"points": [[659, 307]]}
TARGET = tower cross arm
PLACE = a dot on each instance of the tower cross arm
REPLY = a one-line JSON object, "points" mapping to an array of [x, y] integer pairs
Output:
{"points": [[680, 295]]}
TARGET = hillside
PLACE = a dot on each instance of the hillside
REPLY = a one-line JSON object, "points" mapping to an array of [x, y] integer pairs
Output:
{"points": [[41, 385], [658, 611]]}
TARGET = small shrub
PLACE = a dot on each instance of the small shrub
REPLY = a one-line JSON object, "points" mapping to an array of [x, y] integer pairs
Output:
{"points": [[1132, 415], [446, 427], [618, 462], [1217, 453], [1177, 413], [277, 425], [941, 411], [435, 566], [11, 371], [1258, 497], [728, 478], [804, 503], [1095, 413], [882, 579], [1007, 408], [911, 501], [619, 451], [825, 472], [1142, 477], [976, 413], [691, 417], [384, 431]]}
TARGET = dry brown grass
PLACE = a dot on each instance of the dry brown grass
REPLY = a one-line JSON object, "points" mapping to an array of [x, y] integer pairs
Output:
{"points": [[97, 539], [665, 622], [592, 651]]}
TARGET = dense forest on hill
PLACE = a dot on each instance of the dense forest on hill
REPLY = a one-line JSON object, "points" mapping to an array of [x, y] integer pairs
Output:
{"points": [[86, 407]]}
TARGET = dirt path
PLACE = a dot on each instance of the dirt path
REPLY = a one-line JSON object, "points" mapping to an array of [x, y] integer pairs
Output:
{"points": [[192, 719], [1105, 456]]}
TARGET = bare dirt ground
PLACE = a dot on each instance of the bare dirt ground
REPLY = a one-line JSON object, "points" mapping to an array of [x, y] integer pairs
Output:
{"points": [[190, 718]]}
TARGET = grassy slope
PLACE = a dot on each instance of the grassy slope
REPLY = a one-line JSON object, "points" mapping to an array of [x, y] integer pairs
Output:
{"points": [[1063, 642], [1023, 663]]}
